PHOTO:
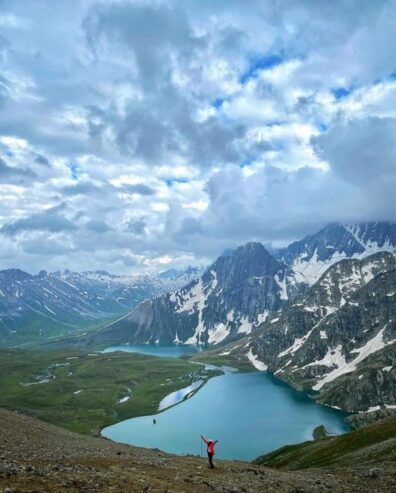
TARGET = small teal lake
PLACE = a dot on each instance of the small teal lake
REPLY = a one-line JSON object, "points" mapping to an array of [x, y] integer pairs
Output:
{"points": [[249, 413], [175, 351]]}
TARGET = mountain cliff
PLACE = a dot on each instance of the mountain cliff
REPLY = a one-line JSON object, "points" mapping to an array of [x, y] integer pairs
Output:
{"points": [[338, 339]]}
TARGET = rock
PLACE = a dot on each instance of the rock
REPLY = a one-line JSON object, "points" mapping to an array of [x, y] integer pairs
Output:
{"points": [[373, 473]]}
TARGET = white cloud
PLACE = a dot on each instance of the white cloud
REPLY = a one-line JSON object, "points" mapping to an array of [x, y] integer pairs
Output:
{"points": [[172, 129]]}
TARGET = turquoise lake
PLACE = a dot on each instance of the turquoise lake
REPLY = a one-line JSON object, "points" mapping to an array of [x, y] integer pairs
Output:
{"points": [[249, 413], [174, 351]]}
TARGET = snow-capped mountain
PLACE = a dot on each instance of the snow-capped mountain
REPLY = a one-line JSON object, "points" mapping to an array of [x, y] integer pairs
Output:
{"points": [[232, 297], [313, 255], [244, 286], [34, 307], [339, 338]]}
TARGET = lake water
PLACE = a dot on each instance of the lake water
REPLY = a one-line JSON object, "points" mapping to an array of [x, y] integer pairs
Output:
{"points": [[249, 413], [174, 351]]}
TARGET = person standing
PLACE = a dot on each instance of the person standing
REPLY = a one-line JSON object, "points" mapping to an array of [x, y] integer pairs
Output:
{"points": [[211, 449]]}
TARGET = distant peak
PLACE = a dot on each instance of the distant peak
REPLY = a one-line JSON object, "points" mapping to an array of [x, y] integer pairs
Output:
{"points": [[16, 274], [252, 246]]}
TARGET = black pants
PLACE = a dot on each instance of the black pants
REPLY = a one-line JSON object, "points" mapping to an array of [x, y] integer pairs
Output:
{"points": [[210, 457]]}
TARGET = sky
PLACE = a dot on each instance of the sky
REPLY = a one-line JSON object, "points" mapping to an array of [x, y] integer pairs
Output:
{"points": [[142, 135]]}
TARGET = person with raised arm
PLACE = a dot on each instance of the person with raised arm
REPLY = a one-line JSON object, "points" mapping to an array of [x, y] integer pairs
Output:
{"points": [[211, 449]]}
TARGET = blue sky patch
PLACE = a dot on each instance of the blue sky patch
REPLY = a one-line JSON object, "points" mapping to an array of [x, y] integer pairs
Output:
{"points": [[74, 171], [218, 102], [260, 63], [340, 92], [246, 162], [171, 181]]}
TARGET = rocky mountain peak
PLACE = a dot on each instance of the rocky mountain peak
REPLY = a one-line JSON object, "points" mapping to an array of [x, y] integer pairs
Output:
{"points": [[13, 275], [247, 261], [310, 257]]}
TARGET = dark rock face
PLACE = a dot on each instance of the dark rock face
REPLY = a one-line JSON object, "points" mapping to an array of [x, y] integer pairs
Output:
{"points": [[332, 239], [339, 338], [231, 298]]}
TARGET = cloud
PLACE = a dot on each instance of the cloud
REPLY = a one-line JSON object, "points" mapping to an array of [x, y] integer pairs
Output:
{"points": [[361, 151], [81, 188], [137, 131], [138, 188], [137, 226], [10, 174], [159, 122], [97, 226], [51, 220]]}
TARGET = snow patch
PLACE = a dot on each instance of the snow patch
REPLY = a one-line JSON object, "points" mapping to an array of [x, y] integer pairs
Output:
{"points": [[373, 345], [218, 333], [262, 317], [245, 326], [197, 301], [259, 365], [282, 286], [298, 342]]}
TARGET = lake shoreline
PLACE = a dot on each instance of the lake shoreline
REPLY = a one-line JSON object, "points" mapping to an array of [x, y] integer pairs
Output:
{"points": [[303, 430]]}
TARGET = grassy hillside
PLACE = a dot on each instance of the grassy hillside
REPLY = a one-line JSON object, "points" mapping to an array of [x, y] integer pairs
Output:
{"points": [[372, 444], [33, 332], [79, 391]]}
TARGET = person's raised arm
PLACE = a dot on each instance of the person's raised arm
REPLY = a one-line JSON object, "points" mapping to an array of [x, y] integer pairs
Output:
{"points": [[214, 443], [204, 439]]}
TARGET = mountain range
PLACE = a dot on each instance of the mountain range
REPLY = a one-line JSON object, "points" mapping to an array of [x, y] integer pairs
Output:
{"points": [[242, 288], [37, 307], [320, 314]]}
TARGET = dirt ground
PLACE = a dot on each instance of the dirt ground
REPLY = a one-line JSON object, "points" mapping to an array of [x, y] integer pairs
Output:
{"points": [[39, 457]]}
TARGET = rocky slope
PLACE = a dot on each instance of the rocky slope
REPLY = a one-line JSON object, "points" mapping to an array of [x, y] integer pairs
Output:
{"points": [[35, 307], [35, 456], [338, 339], [232, 297]]}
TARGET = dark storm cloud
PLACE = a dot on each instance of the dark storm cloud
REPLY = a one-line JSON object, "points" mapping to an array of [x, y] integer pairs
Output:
{"points": [[10, 174], [41, 159], [161, 123], [152, 33], [363, 153], [139, 189], [81, 188], [137, 226], [97, 226], [51, 220]]}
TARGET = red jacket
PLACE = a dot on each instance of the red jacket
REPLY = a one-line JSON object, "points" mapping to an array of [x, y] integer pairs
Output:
{"points": [[211, 444]]}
